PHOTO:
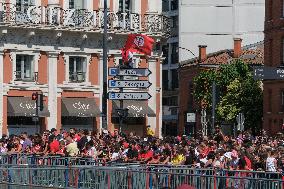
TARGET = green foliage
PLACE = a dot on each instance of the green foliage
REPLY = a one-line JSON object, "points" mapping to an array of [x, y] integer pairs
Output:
{"points": [[238, 93]]}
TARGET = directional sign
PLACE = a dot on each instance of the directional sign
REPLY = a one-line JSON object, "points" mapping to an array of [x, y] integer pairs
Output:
{"points": [[268, 73], [128, 84], [129, 96], [141, 72]]}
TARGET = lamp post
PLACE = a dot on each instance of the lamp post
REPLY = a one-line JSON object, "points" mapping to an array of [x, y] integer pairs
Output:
{"points": [[105, 66]]}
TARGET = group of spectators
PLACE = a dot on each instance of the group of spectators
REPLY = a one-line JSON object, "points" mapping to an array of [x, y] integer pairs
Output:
{"points": [[243, 152]]}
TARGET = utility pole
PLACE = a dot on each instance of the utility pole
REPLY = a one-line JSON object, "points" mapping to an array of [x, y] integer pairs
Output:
{"points": [[105, 66], [213, 105]]}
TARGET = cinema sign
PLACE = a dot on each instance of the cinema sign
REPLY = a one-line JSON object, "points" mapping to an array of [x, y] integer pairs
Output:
{"points": [[81, 18]]}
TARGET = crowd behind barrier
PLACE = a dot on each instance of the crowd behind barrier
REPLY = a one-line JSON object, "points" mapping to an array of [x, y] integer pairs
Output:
{"points": [[244, 152]]}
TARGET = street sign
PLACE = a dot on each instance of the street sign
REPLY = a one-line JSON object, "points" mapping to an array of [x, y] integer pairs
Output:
{"points": [[190, 118], [141, 72], [268, 73], [129, 96], [128, 84]]}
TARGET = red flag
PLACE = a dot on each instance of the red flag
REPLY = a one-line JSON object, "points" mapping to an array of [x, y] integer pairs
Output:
{"points": [[139, 43]]}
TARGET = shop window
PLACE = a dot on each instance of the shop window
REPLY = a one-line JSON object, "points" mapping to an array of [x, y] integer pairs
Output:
{"points": [[124, 6], [77, 69], [24, 68]]}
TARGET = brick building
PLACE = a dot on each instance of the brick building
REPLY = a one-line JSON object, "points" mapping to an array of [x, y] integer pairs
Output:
{"points": [[51, 47], [251, 54], [273, 97]]}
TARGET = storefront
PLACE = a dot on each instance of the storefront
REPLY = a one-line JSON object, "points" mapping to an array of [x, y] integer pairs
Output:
{"points": [[136, 119], [79, 113], [22, 116]]}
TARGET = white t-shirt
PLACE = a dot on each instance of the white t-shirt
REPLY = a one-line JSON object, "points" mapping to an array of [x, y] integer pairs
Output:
{"points": [[270, 164]]}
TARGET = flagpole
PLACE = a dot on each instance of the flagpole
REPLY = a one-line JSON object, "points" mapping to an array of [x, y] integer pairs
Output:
{"points": [[105, 66]]}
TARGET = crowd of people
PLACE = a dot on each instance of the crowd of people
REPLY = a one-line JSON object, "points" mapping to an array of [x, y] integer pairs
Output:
{"points": [[243, 152]]}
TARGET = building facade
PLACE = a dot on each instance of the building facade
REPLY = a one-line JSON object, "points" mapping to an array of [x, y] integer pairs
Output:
{"points": [[217, 22], [170, 74], [55, 48], [273, 95]]}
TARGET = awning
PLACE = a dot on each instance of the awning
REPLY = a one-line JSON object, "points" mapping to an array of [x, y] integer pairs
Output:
{"points": [[24, 106], [80, 107], [135, 108]]}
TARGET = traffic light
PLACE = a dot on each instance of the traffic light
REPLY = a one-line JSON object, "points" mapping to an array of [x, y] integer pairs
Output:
{"points": [[40, 102], [34, 96]]}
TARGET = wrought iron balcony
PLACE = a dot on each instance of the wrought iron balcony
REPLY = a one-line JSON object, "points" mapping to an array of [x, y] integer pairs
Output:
{"points": [[22, 76], [39, 16]]}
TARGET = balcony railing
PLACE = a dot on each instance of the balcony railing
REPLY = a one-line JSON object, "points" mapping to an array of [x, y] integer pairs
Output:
{"points": [[83, 19], [77, 77], [22, 77]]}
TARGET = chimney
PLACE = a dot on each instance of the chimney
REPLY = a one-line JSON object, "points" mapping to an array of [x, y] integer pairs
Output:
{"points": [[202, 53], [237, 47]]}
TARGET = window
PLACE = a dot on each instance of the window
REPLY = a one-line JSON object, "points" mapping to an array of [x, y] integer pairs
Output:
{"points": [[24, 68], [71, 4], [165, 5], [23, 5], [75, 4], [124, 6], [174, 4], [165, 80], [77, 69], [174, 79], [174, 54], [190, 96]]}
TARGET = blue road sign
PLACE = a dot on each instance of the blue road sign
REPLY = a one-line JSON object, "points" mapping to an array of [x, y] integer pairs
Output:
{"points": [[129, 84], [140, 72], [129, 96]]}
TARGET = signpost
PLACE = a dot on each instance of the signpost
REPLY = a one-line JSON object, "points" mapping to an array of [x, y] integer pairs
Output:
{"points": [[122, 83], [268, 73], [129, 96], [140, 72], [128, 84]]}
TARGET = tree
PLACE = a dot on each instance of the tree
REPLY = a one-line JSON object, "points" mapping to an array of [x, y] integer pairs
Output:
{"points": [[239, 92]]}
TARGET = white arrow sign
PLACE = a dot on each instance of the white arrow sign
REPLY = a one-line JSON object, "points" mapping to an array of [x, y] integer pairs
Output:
{"points": [[140, 72], [129, 96], [128, 84]]}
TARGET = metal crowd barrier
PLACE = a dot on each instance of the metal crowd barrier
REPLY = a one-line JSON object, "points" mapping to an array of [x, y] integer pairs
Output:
{"points": [[23, 159], [136, 177]]}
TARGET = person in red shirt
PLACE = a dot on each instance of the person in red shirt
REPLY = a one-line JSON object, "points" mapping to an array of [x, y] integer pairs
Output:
{"points": [[146, 154], [54, 145]]}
